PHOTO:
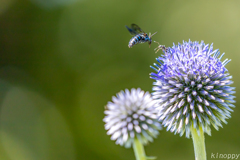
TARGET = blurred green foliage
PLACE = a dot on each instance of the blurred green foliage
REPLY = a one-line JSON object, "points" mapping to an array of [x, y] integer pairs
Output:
{"points": [[61, 62]]}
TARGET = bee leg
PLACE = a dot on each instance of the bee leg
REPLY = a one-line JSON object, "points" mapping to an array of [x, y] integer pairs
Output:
{"points": [[159, 47]]}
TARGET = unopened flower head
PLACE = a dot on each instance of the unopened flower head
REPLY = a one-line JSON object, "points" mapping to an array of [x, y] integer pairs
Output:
{"points": [[192, 88], [132, 115]]}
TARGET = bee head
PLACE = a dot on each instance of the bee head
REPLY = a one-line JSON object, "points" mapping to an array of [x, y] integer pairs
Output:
{"points": [[150, 37]]}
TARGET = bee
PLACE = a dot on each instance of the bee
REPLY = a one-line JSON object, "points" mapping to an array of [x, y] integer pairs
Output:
{"points": [[139, 36], [159, 47]]}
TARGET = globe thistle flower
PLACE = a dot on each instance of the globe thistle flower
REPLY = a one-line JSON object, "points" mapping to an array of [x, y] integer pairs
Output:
{"points": [[192, 88], [130, 116]]}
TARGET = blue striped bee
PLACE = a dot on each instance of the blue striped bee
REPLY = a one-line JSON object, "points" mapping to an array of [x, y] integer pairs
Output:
{"points": [[140, 36]]}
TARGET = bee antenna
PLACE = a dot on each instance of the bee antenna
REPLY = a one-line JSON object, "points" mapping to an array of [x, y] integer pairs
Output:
{"points": [[152, 34]]}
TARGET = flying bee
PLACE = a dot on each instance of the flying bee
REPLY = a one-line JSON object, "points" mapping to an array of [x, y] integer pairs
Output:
{"points": [[139, 36], [159, 47]]}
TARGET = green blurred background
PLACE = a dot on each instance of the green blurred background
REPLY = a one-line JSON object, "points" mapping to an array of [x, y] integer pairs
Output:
{"points": [[61, 61]]}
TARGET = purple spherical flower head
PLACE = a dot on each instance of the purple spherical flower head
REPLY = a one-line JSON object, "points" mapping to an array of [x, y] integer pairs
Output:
{"points": [[132, 115], [192, 88]]}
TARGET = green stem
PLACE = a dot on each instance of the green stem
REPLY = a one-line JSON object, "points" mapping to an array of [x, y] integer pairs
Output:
{"points": [[139, 150], [199, 144]]}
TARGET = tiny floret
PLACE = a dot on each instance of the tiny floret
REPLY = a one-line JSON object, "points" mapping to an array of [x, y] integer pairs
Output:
{"points": [[192, 88], [130, 115]]}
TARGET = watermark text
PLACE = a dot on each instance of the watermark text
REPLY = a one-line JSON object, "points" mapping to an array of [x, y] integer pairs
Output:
{"points": [[225, 156]]}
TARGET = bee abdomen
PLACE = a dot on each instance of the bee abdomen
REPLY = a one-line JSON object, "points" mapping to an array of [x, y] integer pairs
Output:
{"points": [[140, 38]]}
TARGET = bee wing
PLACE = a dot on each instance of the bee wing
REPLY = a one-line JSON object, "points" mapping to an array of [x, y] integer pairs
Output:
{"points": [[132, 31], [135, 29]]}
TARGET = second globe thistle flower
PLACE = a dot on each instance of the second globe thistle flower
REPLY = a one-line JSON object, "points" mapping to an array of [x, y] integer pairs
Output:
{"points": [[132, 115], [131, 120]]}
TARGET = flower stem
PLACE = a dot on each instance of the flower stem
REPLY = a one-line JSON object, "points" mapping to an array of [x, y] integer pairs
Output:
{"points": [[199, 144], [139, 150]]}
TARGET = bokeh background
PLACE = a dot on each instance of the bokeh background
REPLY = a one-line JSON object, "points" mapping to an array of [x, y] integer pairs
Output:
{"points": [[61, 61]]}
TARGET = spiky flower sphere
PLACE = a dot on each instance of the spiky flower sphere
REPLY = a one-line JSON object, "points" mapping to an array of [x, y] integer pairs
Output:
{"points": [[192, 88], [132, 115]]}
